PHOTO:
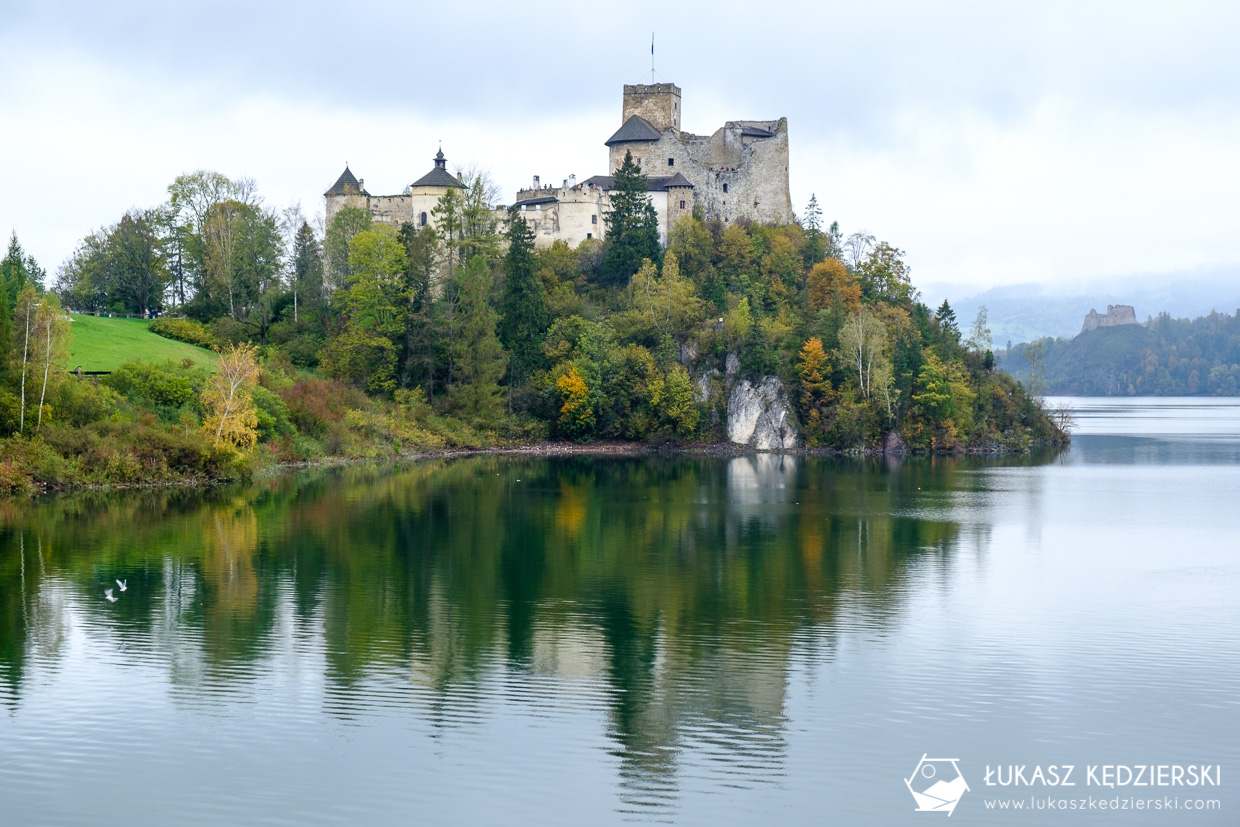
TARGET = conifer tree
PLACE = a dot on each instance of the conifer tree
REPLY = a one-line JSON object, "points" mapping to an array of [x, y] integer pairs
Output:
{"points": [[632, 225], [6, 335], [15, 269], [307, 272], [479, 360], [525, 317]]}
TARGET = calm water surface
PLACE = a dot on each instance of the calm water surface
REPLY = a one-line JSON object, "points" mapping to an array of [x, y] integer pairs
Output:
{"points": [[592, 641]]}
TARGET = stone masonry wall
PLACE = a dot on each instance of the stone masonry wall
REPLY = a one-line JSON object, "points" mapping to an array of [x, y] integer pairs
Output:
{"points": [[658, 103], [1116, 315]]}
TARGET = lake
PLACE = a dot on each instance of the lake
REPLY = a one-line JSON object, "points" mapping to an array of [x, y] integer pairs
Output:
{"points": [[687, 640]]}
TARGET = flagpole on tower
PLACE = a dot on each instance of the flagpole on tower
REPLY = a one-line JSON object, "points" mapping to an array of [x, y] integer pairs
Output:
{"points": [[652, 57]]}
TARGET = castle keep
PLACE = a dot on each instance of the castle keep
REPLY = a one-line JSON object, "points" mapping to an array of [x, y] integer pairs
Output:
{"points": [[739, 172]]}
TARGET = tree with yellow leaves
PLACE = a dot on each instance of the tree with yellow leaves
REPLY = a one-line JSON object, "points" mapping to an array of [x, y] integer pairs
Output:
{"points": [[229, 398], [832, 287], [577, 414], [813, 369]]}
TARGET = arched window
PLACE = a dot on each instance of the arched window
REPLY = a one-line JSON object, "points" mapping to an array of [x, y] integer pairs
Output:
{"points": [[422, 220]]}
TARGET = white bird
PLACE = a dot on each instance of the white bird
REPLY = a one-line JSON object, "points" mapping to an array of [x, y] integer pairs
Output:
{"points": [[107, 593], [122, 583]]}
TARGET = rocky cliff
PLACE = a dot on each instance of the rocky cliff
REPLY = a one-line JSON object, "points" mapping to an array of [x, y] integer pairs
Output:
{"points": [[760, 416]]}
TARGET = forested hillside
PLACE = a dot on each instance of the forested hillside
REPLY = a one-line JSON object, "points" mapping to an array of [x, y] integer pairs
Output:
{"points": [[1165, 357], [375, 340]]}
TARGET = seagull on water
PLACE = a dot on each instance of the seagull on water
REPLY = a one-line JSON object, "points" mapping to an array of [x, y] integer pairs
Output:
{"points": [[122, 583], [107, 594]]}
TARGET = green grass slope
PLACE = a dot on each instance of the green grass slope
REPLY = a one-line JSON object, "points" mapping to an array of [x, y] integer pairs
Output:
{"points": [[105, 344]]}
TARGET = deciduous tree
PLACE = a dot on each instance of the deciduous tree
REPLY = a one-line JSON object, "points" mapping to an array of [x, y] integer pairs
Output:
{"points": [[228, 398]]}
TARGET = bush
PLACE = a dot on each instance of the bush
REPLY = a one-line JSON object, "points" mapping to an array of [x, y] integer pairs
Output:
{"points": [[273, 415], [315, 403], [166, 389], [79, 402], [184, 330]]}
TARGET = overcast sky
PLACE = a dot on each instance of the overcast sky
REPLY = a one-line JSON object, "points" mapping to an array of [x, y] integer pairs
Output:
{"points": [[996, 143]]}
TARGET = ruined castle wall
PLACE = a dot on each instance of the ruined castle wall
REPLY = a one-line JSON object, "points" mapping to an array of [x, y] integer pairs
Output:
{"points": [[1116, 315], [734, 177]]}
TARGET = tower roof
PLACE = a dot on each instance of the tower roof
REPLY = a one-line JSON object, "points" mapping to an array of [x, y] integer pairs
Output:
{"points": [[636, 128], [346, 184], [439, 175]]}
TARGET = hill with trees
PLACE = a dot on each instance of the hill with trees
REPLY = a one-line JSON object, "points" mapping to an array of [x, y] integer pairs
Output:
{"points": [[1164, 357], [370, 340]]}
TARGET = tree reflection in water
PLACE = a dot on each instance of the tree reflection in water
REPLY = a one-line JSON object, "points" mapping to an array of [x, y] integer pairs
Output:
{"points": [[669, 592]]}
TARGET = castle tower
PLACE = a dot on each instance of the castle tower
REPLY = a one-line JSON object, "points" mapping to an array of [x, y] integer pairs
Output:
{"points": [[426, 191], [658, 103], [347, 190]]}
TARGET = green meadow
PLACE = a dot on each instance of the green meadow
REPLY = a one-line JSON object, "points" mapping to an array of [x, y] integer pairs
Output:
{"points": [[105, 344]]}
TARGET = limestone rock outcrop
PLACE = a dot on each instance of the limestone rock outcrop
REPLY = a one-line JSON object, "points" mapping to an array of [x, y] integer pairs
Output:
{"points": [[760, 416]]}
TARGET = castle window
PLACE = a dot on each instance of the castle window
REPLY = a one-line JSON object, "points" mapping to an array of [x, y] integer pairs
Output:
{"points": [[589, 235], [682, 205], [594, 219], [422, 219], [639, 162], [725, 187], [671, 162]]}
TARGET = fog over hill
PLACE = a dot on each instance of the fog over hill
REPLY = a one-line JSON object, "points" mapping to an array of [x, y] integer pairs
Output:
{"points": [[1024, 312]]}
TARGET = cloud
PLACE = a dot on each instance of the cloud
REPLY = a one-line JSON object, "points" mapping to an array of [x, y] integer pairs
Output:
{"points": [[993, 142]]}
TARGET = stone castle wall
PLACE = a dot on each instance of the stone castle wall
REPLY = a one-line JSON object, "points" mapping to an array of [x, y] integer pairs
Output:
{"points": [[734, 177], [1116, 315], [658, 103]]}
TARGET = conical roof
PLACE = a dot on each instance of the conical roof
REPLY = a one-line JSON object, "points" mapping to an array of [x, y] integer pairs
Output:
{"points": [[346, 184], [636, 128], [439, 175]]}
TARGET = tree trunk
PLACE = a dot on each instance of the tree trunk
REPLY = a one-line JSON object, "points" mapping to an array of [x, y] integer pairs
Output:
{"points": [[47, 366]]}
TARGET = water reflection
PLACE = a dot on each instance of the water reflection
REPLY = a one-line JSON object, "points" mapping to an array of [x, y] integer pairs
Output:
{"points": [[665, 594]]}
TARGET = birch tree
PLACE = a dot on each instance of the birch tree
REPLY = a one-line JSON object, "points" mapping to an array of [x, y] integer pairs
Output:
{"points": [[51, 331], [24, 314], [863, 341], [228, 397]]}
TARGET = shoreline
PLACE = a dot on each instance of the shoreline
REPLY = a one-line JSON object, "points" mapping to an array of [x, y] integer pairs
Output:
{"points": [[549, 449]]}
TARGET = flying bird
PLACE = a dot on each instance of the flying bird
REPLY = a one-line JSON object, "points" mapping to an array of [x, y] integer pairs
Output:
{"points": [[122, 583], [107, 593]]}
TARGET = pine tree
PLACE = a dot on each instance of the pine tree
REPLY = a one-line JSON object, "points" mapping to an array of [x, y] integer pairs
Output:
{"points": [[15, 269], [525, 317], [815, 247], [307, 272], [6, 335], [479, 359], [632, 225]]}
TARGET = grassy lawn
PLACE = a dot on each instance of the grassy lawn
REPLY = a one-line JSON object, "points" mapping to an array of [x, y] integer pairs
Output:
{"points": [[104, 344]]}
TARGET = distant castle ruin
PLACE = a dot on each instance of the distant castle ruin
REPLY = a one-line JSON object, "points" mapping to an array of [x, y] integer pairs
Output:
{"points": [[1116, 315], [738, 173]]}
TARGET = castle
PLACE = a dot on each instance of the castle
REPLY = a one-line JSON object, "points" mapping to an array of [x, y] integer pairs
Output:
{"points": [[738, 173], [1116, 315]]}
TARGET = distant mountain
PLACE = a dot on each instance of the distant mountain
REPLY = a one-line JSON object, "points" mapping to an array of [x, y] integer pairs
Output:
{"points": [[1167, 357], [1025, 312]]}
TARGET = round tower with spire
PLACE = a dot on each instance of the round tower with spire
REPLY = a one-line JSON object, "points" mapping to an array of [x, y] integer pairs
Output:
{"points": [[427, 190]]}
